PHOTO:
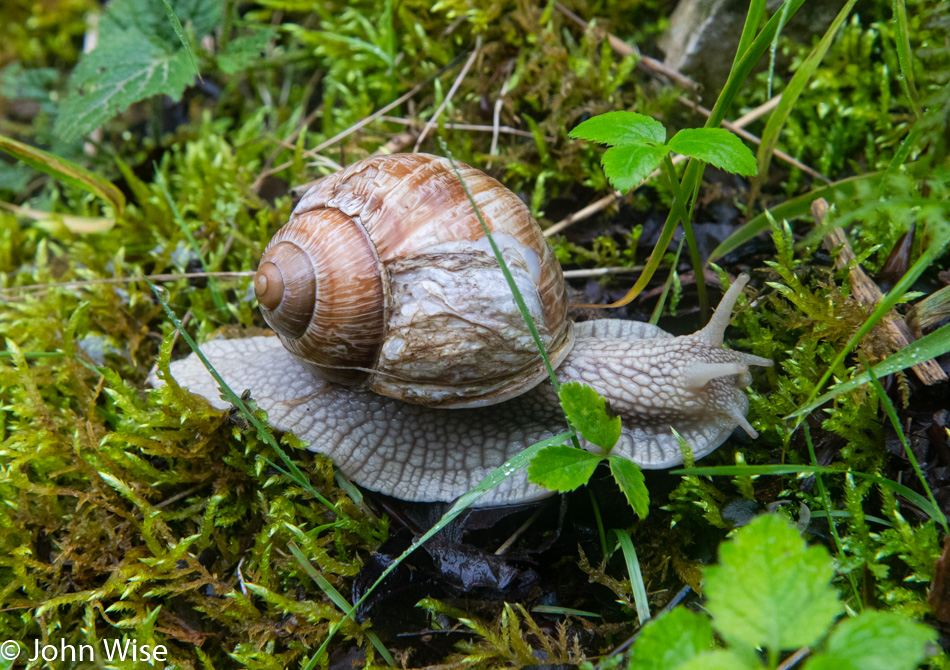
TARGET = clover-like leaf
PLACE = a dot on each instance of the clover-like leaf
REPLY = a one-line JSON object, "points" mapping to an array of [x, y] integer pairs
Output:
{"points": [[590, 414], [562, 468], [627, 166], [629, 478], [620, 128], [716, 146]]}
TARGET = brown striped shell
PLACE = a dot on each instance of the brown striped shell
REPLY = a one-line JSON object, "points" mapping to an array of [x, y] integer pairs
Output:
{"points": [[384, 278]]}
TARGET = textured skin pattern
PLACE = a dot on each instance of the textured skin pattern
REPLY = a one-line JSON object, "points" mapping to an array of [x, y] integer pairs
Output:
{"points": [[418, 453], [408, 451]]}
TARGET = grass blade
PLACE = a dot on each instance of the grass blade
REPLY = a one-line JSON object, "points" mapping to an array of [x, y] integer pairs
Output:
{"points": [[895, 422], [794, 89], [337, 599], [636, 577], [939, 237], [742, 470], [263, 432], [180, 32], [212, 284], [792, 209], [904, 57], [66, 171]]}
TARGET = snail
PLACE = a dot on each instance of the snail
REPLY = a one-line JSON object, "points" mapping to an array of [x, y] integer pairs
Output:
{"points": [[402, 356]]}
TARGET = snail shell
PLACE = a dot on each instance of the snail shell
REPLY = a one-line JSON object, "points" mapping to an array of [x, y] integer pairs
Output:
{"points": [[384, 279]]}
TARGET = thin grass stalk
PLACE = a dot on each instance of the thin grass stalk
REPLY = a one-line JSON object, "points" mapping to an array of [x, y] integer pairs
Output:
{"points": [[637, 585], [498, 475], [686, 218], [192, 242], [793, 91], [825, 498], [733, 470], [895, 422], [905, 58], [263, 432]]}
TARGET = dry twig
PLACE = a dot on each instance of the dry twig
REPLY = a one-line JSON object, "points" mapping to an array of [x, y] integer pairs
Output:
{"points": [[866, 292]]}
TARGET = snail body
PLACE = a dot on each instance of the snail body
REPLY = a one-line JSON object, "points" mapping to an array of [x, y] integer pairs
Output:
{"points": [[441, 384]]}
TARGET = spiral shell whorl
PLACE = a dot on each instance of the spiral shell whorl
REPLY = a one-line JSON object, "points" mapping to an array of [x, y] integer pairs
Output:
{"points": [[319, 288]]}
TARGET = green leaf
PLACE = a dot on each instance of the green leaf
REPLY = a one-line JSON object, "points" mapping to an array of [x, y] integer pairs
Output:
{"points": [[66, 171], [620, 128], [151, 19], [139, 55], [716, 146], [875, 641], [562, 468], [720, 659], [241, 52], [590, 414], [786, 600], [627, 166], [671, 640], [640, 598], [629, 478], [123, 69]]}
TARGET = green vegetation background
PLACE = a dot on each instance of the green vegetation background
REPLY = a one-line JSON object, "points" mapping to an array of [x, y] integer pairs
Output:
{"points": [[127, 512]]}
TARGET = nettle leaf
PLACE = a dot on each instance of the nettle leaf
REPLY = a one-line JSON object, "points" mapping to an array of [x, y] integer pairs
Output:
{"points": [[875, 641], [620, 128], [627, 166], [139, 55], [629, 478], [716, 146], [562, 468], [786, 600], [123, 70], [150, 18], [671, 640], [590, 414]]}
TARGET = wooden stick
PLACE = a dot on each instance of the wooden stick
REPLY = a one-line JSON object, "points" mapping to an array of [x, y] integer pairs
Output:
{"points": [[866, 292]]}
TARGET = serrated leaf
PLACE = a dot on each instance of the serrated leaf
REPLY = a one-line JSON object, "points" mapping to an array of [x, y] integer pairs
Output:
{"points": [[590, 414], [627, 166], [620, 128], [562, 468], [151, 18], [671, 640], [124, 69], [629, 478], [241, 52], [875, 641], [786, 600], [66, 171], [716, 146]]}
